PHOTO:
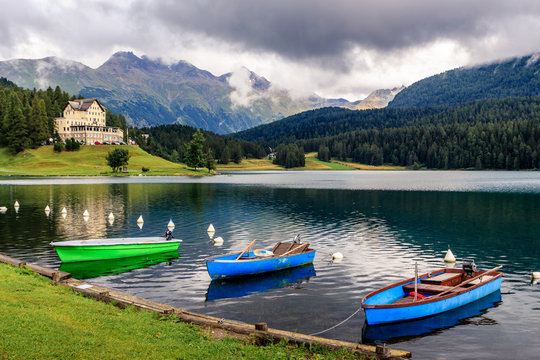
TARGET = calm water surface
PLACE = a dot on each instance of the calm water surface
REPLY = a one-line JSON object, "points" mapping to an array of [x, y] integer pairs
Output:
{"points": [[383, 222]]}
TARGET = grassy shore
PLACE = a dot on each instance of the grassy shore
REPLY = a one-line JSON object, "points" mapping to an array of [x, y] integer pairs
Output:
{"points": [[89, 160], [40, 320]]}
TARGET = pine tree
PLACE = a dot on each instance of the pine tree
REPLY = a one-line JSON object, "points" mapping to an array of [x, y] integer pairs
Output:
{"points": [[194, 156]]}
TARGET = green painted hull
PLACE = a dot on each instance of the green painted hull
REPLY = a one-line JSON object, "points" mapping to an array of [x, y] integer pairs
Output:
{"points": [[106, 252]]}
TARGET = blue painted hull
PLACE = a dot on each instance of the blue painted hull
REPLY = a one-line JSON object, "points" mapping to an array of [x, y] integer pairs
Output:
{"points": [[379, 309], [223, 267], [383, 333], [235, 288]]}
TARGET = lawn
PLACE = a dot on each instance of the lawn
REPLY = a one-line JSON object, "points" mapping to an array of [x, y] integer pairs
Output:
{"points": [[40, 320], [89, 160]]}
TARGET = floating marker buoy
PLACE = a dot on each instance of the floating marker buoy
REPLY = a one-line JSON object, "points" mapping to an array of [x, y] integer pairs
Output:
{"points": [[535, 274], [337, 256], [86, 213], [140, 220], [211, 228], [3, 209], [140, 225], [111, 221], [111, 216], [86, 218], [218, 241], [449, 258], [449, 265], [211, 234], [47, 208], [16, 204], [170, 225], [64, 215], [64, 211]]}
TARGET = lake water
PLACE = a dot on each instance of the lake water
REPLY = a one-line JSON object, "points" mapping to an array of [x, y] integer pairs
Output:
{"points": [[383, 222]]}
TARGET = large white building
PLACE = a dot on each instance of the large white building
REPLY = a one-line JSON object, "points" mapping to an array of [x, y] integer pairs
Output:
{"points": [[84, 120]]}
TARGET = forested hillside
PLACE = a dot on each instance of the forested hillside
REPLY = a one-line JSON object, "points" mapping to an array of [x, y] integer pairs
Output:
{"points": [[170, 142], [499, 134], [511, 78]]}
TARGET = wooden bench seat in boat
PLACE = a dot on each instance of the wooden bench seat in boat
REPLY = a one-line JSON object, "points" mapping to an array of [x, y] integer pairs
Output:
{"points": [[479, 280], [446, 279], [429, 288], [283, 247]]}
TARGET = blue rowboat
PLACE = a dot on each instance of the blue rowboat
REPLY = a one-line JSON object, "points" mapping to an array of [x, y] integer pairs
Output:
{"points": [[284, 255], [239, 287], [436, 292]]}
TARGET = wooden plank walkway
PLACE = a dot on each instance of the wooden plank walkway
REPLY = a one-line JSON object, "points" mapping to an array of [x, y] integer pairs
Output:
{"points": [[124, 300]]}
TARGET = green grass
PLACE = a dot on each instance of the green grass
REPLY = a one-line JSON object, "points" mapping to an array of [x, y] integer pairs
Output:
{"points": [[89, 160], [40, 320]]}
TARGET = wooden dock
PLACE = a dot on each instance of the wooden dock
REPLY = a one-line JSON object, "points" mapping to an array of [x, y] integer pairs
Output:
{"points": [[260, 330]]}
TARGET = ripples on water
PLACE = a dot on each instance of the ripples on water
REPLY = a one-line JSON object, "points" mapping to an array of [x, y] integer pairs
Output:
{"points": [[383, 222]]}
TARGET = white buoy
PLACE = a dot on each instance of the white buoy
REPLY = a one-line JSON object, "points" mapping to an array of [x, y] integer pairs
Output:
{"points": [[170, 226], [111, 221], [449, 258], [535, 274], [64, 211], [140, 225], [211, 228], [86, 218], [16, 204], [111, 216], [64, 215], [47, 208], [218, 241], [211, 234], [3, 209], [86, 213], [337, 256], [140, 220]]}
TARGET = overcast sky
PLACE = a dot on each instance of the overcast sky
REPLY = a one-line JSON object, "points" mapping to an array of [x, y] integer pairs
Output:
{"points": [[338, 48]]}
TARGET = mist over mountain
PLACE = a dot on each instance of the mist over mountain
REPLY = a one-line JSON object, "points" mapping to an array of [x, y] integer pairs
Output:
{"points": [[149, 92], [514, 77]]}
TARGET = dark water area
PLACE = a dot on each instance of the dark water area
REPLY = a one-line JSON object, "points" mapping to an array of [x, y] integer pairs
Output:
{"points": [[382, 222]]}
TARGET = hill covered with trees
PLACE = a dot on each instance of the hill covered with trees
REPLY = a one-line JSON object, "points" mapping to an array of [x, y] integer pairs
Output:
{"points": [[498, 134], [516, 77]]}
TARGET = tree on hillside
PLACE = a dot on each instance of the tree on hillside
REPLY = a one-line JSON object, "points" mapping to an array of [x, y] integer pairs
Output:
{"points": [[194, 156], [14, 126], [38, 122], [117, 158], [225, 156], [324, 153], [210, 161]]}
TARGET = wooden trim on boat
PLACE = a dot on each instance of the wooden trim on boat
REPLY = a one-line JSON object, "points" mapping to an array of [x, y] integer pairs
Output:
{"points": [[216, 258]]}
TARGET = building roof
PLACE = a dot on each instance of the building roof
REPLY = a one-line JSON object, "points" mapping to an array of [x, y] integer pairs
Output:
{"points": [[83, 104]]}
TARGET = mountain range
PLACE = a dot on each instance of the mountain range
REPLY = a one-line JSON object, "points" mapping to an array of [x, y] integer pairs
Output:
{"points": [[149, 92]]}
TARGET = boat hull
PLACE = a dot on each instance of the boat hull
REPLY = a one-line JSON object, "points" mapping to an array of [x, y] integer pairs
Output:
{"points": [[378, 306], [227, 266], [114, 250]]}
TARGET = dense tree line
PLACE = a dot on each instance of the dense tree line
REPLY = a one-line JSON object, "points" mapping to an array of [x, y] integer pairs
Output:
{"points": [[27, 116], [171, 142], [510, 145], [290, 156], [334, 121]]}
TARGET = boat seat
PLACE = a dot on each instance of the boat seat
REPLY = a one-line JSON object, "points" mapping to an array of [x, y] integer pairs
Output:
{"points": [[446, 279], [484, 278], [282, 247], [430, 289]]}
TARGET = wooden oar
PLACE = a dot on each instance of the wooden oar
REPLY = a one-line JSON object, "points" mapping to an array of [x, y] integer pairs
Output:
{"points": [[301, 247], [246, 249], [465, 282]]}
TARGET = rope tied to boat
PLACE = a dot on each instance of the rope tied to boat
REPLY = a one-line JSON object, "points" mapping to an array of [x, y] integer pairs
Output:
{"points": [[335, 326]]}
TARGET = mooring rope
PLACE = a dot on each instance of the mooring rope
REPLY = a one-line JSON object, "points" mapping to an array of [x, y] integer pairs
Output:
{"points": [[335, 326]]}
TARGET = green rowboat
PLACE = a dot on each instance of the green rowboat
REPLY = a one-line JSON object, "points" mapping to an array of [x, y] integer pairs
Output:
{"points": [[104, 249]]}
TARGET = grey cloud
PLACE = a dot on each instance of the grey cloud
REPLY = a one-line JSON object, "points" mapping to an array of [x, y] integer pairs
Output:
{"points": [[320, 28]]}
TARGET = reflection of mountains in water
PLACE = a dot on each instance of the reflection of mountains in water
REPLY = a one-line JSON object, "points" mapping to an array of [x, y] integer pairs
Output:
{"points": [[92, 269], [234, 288], [392, 333]]}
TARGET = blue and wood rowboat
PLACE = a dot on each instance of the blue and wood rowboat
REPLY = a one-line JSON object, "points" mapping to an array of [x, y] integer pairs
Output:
{"points": [[104, 249], [282, 256], [436, 292]]}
